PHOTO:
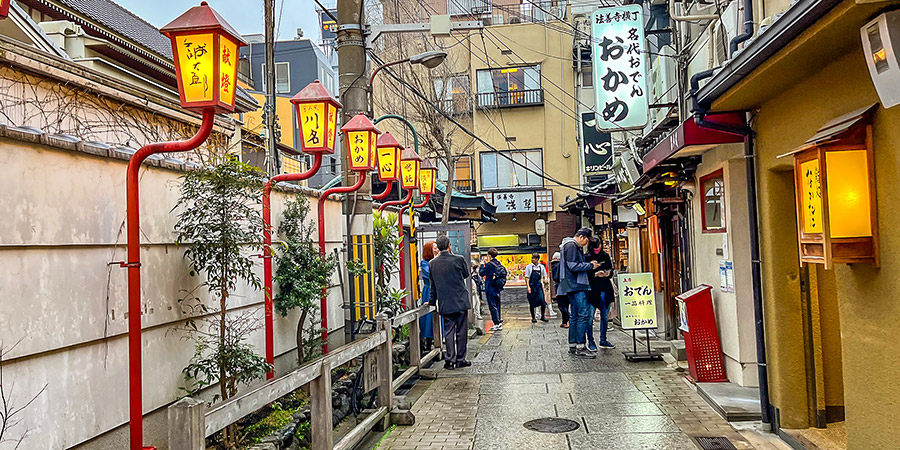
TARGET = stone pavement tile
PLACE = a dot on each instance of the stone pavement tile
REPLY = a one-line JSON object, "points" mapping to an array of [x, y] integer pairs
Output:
{"points": [[511, 412], [630, 424], [519, 399], [631, 441], [521, 378], [523, 389], [525, 367], [609, 409], [604, 396], [517, 438]]}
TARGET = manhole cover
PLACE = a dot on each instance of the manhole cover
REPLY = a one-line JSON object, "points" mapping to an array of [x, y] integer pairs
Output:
{"points": [[552, 425], [715, 443]]}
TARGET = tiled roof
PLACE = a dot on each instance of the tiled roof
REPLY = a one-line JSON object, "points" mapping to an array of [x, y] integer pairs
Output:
{"points": [[123, 21]]}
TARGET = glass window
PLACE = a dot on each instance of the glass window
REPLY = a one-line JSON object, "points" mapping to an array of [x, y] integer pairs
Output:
{"points": [[713, 188], [282, 77], [509, 86], [507, 170], [453, 93], [463, 169]]}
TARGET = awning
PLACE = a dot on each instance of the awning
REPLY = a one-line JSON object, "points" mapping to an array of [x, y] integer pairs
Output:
{"points": [[689, 139], [462, 206], [835, 129]]}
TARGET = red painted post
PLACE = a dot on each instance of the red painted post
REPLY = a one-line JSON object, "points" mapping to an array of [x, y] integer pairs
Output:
{"points": [[321, 210], [267, 252], [133, 233], [387, 191]]}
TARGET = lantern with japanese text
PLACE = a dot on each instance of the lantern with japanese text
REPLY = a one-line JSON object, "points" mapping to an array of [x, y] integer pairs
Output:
{"points": [[317, 112], [409, 169], [388, 152], [4, 8], [834, 175], [360, 138], [205, 47], [427, 177]]}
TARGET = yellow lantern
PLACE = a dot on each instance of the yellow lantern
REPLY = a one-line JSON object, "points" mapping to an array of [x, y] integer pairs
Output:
{"points": [[388, 152], [409, 169], [834, 176], [360, 137], [4, 8], [427, 177], [317, 113], [205, 47]]}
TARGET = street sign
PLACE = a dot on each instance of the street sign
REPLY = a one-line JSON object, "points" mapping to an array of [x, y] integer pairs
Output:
{"points": [[637, 301], [596, 146], [370, 371], [620, 68]]}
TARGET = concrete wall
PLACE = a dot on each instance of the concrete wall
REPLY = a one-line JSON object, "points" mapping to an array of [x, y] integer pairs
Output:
{"points": [[734, 310], [866, 296], [65, 305]]}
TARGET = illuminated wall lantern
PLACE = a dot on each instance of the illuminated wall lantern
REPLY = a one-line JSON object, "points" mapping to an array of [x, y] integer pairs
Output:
{"points": [[361, 138], [409, 169], [388, 153], [206, 59], [317, 113], [4, 8], [834, 175], [427, 176]]}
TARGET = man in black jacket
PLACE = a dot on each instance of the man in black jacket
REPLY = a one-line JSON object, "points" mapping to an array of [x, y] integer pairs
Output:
{"points": [[448, 290]]}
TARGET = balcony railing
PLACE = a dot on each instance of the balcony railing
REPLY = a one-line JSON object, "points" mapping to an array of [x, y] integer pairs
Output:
{"points": [[510, 99], [457, 106], [464, 186]]}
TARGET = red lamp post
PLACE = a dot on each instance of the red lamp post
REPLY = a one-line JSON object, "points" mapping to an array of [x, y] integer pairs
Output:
{"points": [[316, 111], [360, 142], [205, 49]]}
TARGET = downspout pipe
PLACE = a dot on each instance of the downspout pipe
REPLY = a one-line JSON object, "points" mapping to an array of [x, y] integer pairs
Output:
{"points": [[755, 260], [748, 28], [674, 16]]}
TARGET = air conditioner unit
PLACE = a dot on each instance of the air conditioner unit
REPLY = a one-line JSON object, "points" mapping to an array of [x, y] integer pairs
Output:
{"points": [[718, 44], [662, 84]]}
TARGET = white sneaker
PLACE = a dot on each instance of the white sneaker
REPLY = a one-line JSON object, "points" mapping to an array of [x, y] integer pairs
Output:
{"points": [[497, 327], [552, 314]]}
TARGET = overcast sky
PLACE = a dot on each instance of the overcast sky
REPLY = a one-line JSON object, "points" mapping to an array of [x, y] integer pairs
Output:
{"points": [[245, 15]]}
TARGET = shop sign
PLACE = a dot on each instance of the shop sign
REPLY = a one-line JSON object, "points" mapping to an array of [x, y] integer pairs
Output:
{"points": [[596, 146], [515, 202], [637, 301], [620, 68]]}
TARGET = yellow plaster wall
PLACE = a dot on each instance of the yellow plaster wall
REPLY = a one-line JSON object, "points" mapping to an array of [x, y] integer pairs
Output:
{"points": [[284, 110], [867, 297]]}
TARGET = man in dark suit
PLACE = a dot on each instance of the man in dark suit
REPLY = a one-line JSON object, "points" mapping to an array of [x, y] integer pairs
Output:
{"points": [[448, 290]]}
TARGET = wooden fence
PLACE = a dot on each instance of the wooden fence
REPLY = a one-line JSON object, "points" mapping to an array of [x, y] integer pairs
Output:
{"points": [[190, 423]]}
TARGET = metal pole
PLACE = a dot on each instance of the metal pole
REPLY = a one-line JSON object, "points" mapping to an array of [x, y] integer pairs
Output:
{"points": [[272, 163], [133, 233], [267, 251]]}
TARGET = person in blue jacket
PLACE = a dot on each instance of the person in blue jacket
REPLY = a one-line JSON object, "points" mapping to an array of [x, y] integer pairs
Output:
{"points": [[491, 289], [574, 282], [429, 250]]}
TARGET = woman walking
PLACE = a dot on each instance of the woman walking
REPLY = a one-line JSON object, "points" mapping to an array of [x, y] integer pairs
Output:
{"points": [[601, 295], [425, 323], [535, 275]]}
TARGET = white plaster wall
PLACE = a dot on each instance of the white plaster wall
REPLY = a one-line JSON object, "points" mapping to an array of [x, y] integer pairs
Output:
{"points": [[734, 311], [64, 305]]}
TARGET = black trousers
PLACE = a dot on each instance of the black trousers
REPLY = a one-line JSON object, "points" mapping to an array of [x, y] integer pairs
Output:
{"points": [[456, 338], [563, 302]]}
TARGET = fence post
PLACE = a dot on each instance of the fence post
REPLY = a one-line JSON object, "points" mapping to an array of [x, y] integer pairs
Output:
{"points": [[187, 425], [438, 332], [415, 342], [321, 420], [385, 365]]}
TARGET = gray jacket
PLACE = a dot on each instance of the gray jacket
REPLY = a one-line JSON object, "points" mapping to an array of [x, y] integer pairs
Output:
{"points": [[573, 270]]}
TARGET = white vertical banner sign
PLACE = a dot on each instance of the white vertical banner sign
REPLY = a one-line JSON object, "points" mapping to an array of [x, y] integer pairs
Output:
{"points": [[620, 68]]}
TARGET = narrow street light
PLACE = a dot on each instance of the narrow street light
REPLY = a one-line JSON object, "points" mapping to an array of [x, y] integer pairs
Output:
{"points": [[316, 111], [360, 142], [205, 50], [409, 169], [430, 60], [388, 163], [427, 175]]}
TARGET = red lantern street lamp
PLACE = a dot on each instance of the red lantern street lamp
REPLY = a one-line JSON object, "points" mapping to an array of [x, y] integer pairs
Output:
{"points": [[4, 8], [427, 177], [316, 112], [205, 49], [360, 138], [388, 151]]}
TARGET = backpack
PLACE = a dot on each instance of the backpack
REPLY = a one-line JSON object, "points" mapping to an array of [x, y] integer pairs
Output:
{"points": [[500, 274], [554, 271]]}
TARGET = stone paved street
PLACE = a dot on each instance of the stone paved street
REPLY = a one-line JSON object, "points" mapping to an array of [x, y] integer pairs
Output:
{"points": [[525, 372]]}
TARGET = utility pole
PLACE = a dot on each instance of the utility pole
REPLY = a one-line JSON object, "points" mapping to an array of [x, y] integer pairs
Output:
{"points": [[272, 161]]}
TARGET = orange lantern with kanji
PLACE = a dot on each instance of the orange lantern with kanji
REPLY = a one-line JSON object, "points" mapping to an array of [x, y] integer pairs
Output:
{"points": [[317, 112], [409, 169], [388, 153], [205, 48], [360, 141], [427, 177], [4, 8]]}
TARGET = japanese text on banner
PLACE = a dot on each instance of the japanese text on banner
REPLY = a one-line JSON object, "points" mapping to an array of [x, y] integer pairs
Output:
{"points": [[620, 68]]}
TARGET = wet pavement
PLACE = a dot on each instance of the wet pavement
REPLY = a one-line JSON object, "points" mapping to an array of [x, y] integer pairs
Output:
{"points": [[525, 372]]}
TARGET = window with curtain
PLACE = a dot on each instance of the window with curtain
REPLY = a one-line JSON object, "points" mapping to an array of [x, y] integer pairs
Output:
{"points": [[282, 77], [507, 170], [509, 86]]}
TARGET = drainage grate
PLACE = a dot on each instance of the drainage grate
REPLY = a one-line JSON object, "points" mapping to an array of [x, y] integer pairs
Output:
{"points": [[552, 425], [715, 443]]}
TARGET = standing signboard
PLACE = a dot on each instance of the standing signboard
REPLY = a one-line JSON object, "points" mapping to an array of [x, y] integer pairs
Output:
{"points": [[620, 68], [637, 308], [596, 146]]}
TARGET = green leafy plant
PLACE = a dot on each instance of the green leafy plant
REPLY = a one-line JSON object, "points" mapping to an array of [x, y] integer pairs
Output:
{"points": [[219, 226], [303, 273], [387, 256]]}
